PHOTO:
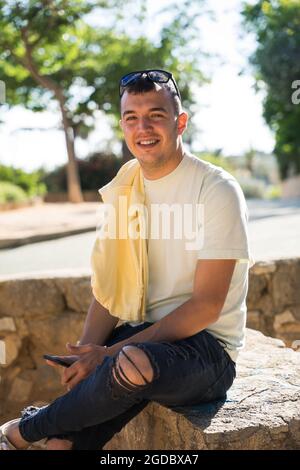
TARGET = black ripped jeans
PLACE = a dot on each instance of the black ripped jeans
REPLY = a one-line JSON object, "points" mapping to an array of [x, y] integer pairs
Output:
{"points": [[186, 372]]}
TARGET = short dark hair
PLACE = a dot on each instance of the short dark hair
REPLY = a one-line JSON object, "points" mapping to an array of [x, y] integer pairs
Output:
{"points": [[144, 85]]}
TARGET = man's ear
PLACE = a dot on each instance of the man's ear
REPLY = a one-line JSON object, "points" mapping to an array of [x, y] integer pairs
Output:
{"points": [[120, 123], [182, 121]]}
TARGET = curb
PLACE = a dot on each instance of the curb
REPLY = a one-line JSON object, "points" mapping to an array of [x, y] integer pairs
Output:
{"points": [[16, 242]]}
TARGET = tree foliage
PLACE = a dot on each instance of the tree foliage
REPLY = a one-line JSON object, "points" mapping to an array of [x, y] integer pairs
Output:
{"points": [[48, 45], [276, 25], [30, 183]]}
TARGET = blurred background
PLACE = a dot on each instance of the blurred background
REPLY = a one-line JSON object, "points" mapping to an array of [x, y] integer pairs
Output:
{"points": [[237, 64]]}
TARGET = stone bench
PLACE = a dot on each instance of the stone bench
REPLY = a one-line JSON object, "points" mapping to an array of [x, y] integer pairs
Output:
{"points": [[262, 410], [41, 313]]}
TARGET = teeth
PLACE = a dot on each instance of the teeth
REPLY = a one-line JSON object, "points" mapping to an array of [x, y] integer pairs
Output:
{"points": [[147, 142]]}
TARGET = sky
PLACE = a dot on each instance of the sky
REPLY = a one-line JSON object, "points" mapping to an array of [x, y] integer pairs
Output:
{"points": [[228, 114]]}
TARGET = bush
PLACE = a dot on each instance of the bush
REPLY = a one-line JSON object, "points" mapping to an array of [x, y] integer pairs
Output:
{"points": [[217, 160], [253, 188], [11, 193], [273, 192], [30, 182], [94, 172]]}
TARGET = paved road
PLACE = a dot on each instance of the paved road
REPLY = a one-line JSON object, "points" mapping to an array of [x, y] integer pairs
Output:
{"points": [[274, 229], [274, 233]]}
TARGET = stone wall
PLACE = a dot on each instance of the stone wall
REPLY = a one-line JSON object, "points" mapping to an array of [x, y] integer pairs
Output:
{"points": [[273, 299], [88, 196], [40, 314], [37, 316]]}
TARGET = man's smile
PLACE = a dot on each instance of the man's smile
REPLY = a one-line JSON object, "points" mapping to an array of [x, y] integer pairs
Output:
{"points": [[147, 143]]}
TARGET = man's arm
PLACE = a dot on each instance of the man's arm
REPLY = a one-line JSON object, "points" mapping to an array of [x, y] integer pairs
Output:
{"points": [[211, 283], [98, 324]]}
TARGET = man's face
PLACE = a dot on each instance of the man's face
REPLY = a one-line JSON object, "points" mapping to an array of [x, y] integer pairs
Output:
{"points": [[151, 128]]}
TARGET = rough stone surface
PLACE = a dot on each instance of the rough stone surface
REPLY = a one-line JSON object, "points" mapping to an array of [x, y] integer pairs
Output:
{"points": [[257, 286], [20, 390], [295, 309], [12, 347], [285, 285], [274, 296], [30, 298], [7, 324], [285, 322], [52, 336], [262, 410], [255, 320], [264, 267], [77, 292]]}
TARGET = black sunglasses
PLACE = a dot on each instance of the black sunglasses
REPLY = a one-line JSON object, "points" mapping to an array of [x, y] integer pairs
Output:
{"points": [[155, 75]]}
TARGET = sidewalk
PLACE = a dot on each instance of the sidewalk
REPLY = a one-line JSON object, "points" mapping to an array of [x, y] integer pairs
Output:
{"points": [[46, 222]]}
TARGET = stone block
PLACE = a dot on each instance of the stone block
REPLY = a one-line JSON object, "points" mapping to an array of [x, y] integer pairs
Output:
{"points": [[21, 327], [30, 298], [295, 309], [52, 335], [77, 293], [254, 319], [285, 285], [263, 267], [285, 322], [20, 390], [7, 324], [12, 348], [258, 286]]}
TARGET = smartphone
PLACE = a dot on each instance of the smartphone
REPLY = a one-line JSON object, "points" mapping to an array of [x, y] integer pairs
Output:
{"points": [[57, 359]]}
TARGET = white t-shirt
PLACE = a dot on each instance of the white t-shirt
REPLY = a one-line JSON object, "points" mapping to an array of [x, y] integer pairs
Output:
{"points": [[223, 215]]}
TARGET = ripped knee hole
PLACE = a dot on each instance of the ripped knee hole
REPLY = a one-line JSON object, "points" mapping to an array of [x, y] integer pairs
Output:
{"points": [[133, 367]]}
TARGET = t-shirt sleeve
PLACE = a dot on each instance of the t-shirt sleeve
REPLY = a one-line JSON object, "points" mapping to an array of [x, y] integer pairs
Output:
{"points": [[224, 220]]}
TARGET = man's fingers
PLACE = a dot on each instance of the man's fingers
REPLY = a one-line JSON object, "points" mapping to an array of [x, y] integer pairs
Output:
{"points": [[67, 377], [79, 349], [74, 381], [69, 373], [53, 364]]}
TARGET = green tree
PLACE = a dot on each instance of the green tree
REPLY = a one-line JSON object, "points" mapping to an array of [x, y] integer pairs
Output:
{"points": [[43, 46], [50, 52], [276, 61]]}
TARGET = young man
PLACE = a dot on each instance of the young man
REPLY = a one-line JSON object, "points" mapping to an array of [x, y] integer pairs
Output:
{"points": [[181, 348]]}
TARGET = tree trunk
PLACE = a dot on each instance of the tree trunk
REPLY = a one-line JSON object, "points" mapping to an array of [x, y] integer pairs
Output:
{"points": [[74, 189]]}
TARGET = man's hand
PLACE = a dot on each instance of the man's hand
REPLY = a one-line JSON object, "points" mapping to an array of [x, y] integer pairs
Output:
{"points": [[88, 357]]}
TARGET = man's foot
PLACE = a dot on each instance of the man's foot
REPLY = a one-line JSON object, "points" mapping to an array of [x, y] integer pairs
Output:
{"points": [[10, 437]]}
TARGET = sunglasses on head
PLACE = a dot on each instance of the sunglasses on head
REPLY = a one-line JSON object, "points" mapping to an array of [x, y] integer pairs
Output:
{"points": [[155, 75]]}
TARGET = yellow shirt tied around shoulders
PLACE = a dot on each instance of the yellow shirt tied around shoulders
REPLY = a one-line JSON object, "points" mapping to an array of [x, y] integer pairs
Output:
{"points": [[119, 257]]}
